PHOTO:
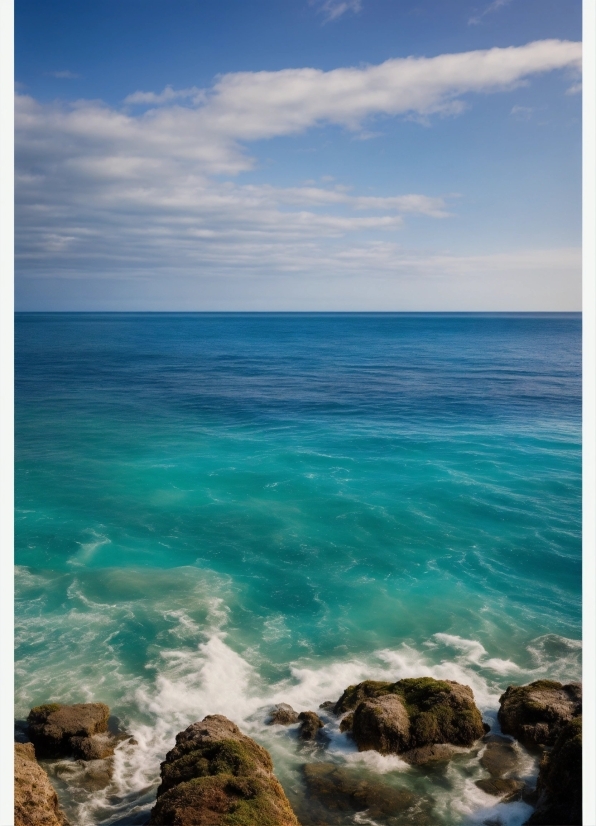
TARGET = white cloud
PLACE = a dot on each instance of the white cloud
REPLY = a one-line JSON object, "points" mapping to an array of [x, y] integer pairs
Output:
{"points": [[490, 9], [167, 96], [334, 9], [103, 190]]}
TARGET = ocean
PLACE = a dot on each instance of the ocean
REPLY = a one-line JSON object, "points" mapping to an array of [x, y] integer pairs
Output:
{"points": [[218, 512]]}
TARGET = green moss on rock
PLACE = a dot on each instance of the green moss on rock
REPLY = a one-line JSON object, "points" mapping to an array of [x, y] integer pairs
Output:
{"points": [[429, 712], [217, 776]]}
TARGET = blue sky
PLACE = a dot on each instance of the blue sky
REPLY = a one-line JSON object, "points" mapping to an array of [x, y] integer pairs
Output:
{"points": [[303, 154]]}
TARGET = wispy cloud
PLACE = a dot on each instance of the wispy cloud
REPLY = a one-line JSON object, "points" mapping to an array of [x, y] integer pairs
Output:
{"points": [[334, 9], [106, 190], [64, 74], [490, 9], [168, 95]]}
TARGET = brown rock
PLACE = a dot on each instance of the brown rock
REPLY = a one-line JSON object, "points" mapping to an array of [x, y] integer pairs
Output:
{"points": [[500, 757], [310, 723], [560, 780], [282, 715], [536, 713], [97, 747], [347, 722], [217, 775], [343, 791], [52, 726], [502, 787], [408, 714], [382, 724], [35, 801], [438, 753]]}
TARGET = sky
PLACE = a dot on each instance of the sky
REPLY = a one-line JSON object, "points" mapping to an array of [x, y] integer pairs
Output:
{"points": [[349, 155]]}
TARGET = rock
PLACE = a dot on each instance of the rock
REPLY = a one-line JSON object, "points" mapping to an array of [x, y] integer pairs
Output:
{"points": [[560, 780], [93, 748], [341, 791], [282, 715], [347, 722], [505, 787], [53, 727], [35, 801], [408, 714], [217, 775], [500, 757], [438, 753], [382, 724], [355, 694], [328, 705], [310, 723], [536, 713]]}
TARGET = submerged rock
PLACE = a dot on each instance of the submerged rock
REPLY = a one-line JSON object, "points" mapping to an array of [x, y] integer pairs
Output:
{"points": [[500, 757], [35, 800], [397, 717], [282, 715], [506, 787], [217, 775], [61, 730], [438, 753], [560, 780], [535, 714], [310, 724], [335, 792]]}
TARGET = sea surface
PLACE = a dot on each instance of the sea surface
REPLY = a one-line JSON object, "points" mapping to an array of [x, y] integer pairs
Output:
{"points": [[218, 512]]}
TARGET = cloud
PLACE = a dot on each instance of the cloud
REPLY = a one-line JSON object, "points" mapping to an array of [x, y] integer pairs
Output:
{"points": [[522, 112], [103, 190], [490, 9], [575, 89], [167, 96], [334, 9], [64, 74]]}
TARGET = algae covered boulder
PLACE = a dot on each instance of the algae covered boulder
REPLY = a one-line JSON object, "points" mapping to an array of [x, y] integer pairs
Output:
{"points": [[61, 730], [536, 713], [397, 717], [560, 780], [35, 801], [217, 775], [310, 725]]}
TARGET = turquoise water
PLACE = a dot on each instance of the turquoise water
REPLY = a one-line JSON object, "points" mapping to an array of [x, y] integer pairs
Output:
{"points": [[218, 512]]}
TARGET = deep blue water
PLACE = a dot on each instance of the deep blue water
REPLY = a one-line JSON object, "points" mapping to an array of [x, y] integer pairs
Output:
{"points": [[215, 511]]}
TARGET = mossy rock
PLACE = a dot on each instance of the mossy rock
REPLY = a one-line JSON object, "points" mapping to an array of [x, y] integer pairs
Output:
{"points": [[424, 712], [560, 780], [536, 713], [216, 776]]}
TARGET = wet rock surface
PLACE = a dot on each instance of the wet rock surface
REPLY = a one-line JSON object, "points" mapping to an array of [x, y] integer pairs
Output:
{"points": [[536, 713], [282, 715], [396, 717], [439, 753], [61, 730], [501, 760], [310, 725], [560, 780], [217, 775], [335, 792], [35, 800]]}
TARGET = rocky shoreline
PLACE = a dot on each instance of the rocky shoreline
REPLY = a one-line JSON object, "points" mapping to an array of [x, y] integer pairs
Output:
{"points": [[217, 776]]}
